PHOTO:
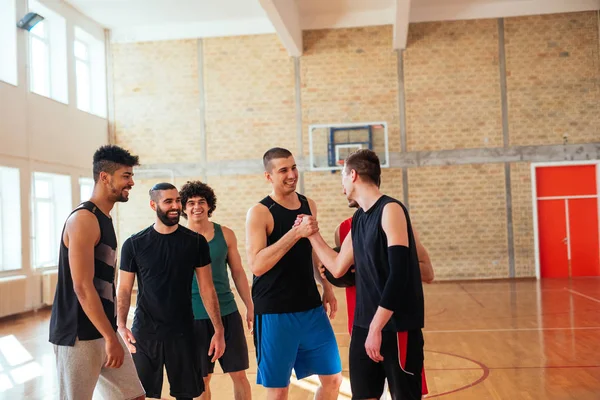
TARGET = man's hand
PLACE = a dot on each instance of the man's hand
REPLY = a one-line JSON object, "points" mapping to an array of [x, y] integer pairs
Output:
{"points": [[373, 344], [250, 319], [306, 225], [127, 338], [330, 302], [217, 346], [114, 352]]}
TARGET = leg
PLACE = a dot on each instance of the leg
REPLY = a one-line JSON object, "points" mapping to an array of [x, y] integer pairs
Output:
{"points": [[206, 394], [403, 363], [241, 386], [330, 387], [277, 393], [121, 383], [276, 342], [203, 333], [235, 359], [366, 376], [149, 363], [318, 353], [183, 369], [78, 368]]}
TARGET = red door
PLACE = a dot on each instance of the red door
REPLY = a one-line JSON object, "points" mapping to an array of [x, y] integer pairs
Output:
{"points": [[569, 239], [583, 228], [552, 225]]}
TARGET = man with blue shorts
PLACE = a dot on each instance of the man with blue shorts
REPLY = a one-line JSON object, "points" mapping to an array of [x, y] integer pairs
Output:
{"points": [[291, 329]]}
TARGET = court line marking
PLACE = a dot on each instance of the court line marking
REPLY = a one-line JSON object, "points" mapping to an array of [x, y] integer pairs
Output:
{"points": [[582, 295], [514, 329]]}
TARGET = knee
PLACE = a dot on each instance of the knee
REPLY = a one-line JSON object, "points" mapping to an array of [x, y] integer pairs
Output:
{"points": [[331, 382], [238, 376], [207, 379]]}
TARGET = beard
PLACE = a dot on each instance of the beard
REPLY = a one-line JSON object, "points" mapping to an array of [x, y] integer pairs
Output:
{"points": [[166, 219], [118, 195]]}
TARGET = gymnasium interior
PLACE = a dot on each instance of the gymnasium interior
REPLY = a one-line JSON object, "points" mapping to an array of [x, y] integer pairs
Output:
{"points": [[485, 115]]}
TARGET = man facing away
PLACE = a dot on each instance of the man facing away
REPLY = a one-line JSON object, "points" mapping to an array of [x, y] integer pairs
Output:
{"points": [[164, 257], [386, 341], [291, 330], [199, 202], [83, 322]]}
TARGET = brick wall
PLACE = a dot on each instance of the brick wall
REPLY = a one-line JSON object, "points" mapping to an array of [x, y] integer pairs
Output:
{"points": [[452, 90], [522, 209], [156, 100], [249, 85], [553, 80], [452, 86], [460, 214]]}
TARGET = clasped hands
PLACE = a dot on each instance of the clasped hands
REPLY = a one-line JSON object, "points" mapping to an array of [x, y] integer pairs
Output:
{"points": [[306, 225]]}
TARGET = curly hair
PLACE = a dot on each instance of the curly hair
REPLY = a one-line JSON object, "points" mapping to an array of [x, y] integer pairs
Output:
{"points": [[198, 189], [110, 158]]}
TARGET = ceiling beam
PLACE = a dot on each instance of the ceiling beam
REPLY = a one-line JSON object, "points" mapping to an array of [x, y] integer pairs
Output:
{"points": [[401, 24], [285, 18]]}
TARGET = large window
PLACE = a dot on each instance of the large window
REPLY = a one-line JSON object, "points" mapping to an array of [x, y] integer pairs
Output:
{"points": [[8, 41], [10, 219], [86, 187], [51, 207], [90, 72], [48, 54]]}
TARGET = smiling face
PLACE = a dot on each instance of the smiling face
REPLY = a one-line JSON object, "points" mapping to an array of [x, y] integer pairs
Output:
{"points": [[283, 175], [167, 207], [118, 184], [197, 209]]}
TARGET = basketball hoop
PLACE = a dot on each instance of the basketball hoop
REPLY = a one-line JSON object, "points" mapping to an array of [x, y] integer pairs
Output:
{"points": [[341, 162]]}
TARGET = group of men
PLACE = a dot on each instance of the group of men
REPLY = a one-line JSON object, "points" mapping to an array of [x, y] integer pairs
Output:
{"points": [[186, 317]]}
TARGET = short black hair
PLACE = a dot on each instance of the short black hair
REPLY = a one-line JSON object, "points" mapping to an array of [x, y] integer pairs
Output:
{"points": [[366, 164], [271, 154], [198, 189], [159, 187], [110, 158]]}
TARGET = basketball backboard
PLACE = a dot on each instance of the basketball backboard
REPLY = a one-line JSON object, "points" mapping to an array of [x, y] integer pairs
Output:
{"points": [[331, 144]]}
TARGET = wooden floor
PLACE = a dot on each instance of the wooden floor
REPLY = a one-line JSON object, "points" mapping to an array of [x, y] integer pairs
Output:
{"points": [[483, 340]]}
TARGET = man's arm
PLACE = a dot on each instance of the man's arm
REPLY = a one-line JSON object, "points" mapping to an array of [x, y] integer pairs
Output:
{"points": [[336, 263], [425, 265], [83, 233], [336, 236], [393, 222], [124, 290], [261, 258], [211, 303], [238, 274]]}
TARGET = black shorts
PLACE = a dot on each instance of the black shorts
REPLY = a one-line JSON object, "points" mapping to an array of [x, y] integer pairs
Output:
{"points": [[177, 355], [367, 377], [235, 357]]}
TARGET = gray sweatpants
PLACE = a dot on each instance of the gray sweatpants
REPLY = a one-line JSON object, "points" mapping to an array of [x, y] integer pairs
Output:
{"points": [[81, 369]]}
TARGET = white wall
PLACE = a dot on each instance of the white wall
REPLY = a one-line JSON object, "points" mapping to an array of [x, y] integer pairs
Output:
{"points": [[40, 134]]}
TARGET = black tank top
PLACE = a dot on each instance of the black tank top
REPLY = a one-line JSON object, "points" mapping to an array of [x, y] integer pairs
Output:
{"points": [[68, 320], [290, 285], [370, 245]]}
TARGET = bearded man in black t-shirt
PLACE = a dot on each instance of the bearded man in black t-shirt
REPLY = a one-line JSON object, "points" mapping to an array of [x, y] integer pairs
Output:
{"points": [[164, 257]]}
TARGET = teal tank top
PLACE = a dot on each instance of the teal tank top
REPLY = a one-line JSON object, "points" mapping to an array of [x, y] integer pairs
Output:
{"points": [[218, 256]]}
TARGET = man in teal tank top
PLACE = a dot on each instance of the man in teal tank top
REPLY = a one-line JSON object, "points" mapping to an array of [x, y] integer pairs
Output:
{"points": [[199, 202]]}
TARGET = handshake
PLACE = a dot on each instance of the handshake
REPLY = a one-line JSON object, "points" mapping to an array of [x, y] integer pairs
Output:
{"points": [[306, 225]]}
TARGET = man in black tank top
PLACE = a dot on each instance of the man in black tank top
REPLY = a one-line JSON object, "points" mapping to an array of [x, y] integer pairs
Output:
{"points": [[387, 342], [291, 330], [83, 321]]}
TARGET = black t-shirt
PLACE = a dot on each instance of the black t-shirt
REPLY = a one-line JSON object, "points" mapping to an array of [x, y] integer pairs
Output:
{"points": [[370, 245], [165, 266]]}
